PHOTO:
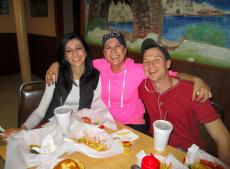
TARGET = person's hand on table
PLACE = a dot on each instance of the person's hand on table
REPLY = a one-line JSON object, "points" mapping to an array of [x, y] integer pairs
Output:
{"points": [[11, 131], [52, 73], [201, 91], [8, 132]]}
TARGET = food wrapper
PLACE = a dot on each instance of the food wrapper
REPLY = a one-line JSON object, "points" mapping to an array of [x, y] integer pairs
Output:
{"points": [[49, 139], [125, 135], [98, 114], [94, 141], [197, 157], [97, 117], [168, 162], [175, 164]]}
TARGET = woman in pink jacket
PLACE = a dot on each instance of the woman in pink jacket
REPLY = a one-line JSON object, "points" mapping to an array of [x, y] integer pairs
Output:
{"points": [[120, 78]]}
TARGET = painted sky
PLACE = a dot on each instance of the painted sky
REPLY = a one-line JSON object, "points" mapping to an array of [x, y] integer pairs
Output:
{"points": [[222, 4]]}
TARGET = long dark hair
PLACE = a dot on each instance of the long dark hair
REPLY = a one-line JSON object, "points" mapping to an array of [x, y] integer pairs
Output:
{"points": [[65, 67]]}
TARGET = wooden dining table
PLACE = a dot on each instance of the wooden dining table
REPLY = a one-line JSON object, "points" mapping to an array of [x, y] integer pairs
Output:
{"points": [[120, 161]]}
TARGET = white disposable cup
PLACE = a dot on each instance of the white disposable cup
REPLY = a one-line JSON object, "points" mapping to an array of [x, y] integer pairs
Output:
{"points": [[63, 115], [162, 130]]}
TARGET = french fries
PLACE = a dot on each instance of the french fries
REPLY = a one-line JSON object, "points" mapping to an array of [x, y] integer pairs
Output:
{"points": [[93, 142], [165, 166]]}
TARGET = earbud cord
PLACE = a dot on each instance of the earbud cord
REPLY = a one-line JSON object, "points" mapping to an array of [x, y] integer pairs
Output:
{"points": [[158, 100]]}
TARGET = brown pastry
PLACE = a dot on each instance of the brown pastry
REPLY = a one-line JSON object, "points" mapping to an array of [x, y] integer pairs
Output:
{"points": [[69, 164]]}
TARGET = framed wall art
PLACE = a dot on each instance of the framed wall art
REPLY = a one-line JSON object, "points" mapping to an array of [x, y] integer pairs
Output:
{"points": [[39, 8], [4, 7]]}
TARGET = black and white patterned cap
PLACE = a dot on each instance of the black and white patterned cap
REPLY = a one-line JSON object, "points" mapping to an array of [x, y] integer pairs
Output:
{"points": [[113, 34]]}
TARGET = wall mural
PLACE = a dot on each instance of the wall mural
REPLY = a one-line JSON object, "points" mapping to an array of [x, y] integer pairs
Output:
{"points": [[193, 30]]}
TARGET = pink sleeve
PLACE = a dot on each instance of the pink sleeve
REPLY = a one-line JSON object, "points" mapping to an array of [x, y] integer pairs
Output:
{"points": [[172, 73], [98, 63]]}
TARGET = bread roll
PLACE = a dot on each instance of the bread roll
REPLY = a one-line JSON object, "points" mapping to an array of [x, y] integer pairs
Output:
{"points": [[69, 164]]}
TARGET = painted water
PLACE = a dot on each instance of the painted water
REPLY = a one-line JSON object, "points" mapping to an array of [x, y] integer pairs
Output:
{"points": [[124, 27], [175, 26]]}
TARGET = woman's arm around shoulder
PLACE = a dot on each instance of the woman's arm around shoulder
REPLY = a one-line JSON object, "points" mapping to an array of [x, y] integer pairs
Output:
{"points": [[201, 91], [52, 73]]}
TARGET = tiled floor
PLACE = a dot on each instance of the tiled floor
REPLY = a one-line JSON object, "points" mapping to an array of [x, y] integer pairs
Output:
{"points": [[9, 86]]}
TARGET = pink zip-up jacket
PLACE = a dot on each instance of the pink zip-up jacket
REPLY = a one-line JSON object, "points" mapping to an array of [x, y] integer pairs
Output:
{"points": [[120, 90]]}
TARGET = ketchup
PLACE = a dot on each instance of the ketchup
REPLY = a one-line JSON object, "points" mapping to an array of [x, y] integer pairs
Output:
{"points": [[150, 162]]}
